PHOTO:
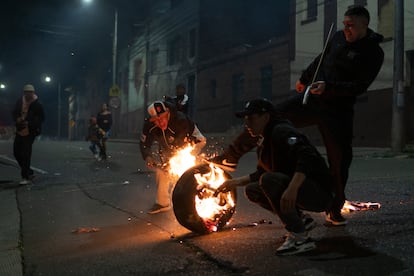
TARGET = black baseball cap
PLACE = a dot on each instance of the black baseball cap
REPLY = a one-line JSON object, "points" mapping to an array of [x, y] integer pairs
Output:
{"points": [[256, 106]]}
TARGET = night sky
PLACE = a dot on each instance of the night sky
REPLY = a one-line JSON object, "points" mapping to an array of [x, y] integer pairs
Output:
{"points": [[61, 38]]}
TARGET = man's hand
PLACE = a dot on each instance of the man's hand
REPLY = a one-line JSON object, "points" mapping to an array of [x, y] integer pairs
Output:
{"points": [[288, 200], [317, 88], [300, 87], [227, 185], [289, 196], [231, 184]]}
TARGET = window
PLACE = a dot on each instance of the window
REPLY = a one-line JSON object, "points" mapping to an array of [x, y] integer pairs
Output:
{"points": [[266, 73], [174, 51], [154, 60], [192, 43], [238, 92], [311, 11]]}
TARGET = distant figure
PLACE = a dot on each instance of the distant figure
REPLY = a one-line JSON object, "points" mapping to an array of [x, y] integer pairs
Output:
{"points": [[29, 115], [180, 100], [104, 120], [95, 136]]}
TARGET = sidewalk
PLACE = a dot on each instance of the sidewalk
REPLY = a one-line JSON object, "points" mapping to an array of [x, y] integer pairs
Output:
{"points": [[10, 255]]}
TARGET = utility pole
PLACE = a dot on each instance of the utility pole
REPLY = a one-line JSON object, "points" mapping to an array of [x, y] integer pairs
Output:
{"points": [[59, 111], [114, 47], [398, 118], [147, 68]]}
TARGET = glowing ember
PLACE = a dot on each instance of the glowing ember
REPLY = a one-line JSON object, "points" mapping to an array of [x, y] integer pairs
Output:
{"points": [[351, 206], [182, 161]]}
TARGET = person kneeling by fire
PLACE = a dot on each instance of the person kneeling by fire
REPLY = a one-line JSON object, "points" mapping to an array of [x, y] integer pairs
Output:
{"points": [[291, 175], [171, 130]]}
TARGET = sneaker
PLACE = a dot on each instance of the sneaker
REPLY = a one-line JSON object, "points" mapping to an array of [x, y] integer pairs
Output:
{"points": [[296, 243], [25, 181], [156, 208], [335, 218], [309, 222], [225, 163]]}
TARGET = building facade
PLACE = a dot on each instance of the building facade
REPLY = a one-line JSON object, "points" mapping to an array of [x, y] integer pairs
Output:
{"points": [[227, 52]]}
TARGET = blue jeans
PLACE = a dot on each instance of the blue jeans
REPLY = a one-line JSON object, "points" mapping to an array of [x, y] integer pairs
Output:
{"points": [[268, 192]]}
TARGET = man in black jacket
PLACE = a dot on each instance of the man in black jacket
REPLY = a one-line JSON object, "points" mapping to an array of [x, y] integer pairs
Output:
{"points": [[291, 175], [352, 61], [171, 130], [28, 115]]}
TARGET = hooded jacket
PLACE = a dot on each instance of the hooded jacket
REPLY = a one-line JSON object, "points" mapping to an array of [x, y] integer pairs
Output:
{"points": [[286, 150], [177, 134], [348, 69], [34, 117]]}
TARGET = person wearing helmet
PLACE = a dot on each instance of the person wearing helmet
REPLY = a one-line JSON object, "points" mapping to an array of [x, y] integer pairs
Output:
{"points": [[170, 130]]}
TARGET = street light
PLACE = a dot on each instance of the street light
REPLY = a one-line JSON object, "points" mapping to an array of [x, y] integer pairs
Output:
{"points": [[48, 79]]}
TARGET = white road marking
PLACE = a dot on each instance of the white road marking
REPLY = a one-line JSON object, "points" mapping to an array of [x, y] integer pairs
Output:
{"points": [[15, 162]]}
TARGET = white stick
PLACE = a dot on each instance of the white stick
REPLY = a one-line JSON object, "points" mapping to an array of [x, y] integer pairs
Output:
{"points": [[306, 95]]}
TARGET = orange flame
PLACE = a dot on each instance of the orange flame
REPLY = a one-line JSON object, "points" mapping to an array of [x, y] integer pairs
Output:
{"points": [[351, 206], [208, 206], [182, 161]]}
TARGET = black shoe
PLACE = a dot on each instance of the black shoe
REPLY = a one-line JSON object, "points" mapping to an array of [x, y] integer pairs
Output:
{"points": [[335, 218], [226, 164]]}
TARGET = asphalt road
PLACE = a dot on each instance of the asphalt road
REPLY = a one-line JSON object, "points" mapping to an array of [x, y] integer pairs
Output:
{"points": [[83, 217]]}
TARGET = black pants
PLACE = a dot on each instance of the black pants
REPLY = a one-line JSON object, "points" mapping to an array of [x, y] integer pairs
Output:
{"points": [[335, 126], [268, 192], [22, 150]]}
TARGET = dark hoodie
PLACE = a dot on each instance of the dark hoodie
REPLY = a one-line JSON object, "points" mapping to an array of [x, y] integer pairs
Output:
{"points": [[177, 134], [286, 150], [348, 69]]}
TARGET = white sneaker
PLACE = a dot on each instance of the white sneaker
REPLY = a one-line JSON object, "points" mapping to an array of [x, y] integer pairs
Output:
{"points": [[25, 181], [296, 243]]}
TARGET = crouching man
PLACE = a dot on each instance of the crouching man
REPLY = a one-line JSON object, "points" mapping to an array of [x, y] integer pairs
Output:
{"points": [[291, 175]]}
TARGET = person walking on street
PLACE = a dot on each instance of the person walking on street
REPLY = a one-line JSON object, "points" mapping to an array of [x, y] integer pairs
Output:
{"points": [[171, 130], [28, 115], [104, 120], [291, 175], [353, 59], [95, 136]]}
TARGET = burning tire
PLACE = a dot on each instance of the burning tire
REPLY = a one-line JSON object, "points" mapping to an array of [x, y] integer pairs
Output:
{"points": [[195, 205]]}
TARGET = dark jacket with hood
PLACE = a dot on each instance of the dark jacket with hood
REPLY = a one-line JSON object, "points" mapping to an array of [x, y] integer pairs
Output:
{"points": [[348, 69], [35, 116], [286, 150], [177, 134]]}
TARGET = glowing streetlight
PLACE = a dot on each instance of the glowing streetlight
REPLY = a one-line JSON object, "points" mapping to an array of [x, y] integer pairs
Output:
{"points": [[2, 86]]}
